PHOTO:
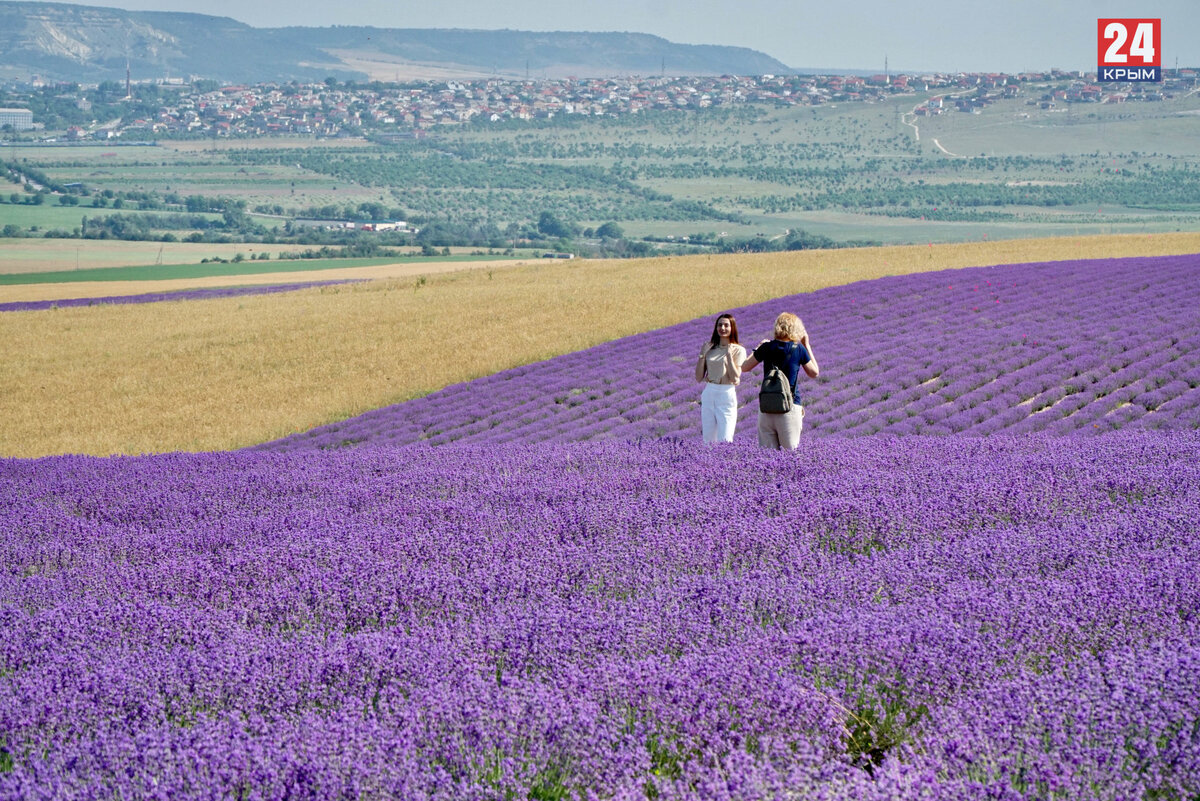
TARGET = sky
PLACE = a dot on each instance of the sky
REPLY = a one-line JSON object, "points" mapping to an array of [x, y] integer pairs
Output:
{"points": [[923, 35]]}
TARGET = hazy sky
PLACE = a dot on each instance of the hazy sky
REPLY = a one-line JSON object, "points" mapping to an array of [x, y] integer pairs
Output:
{"points": [[947, 35]]}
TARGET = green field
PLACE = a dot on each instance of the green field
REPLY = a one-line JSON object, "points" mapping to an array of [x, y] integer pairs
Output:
{"points": [[46, 216], [866, 172], [1130, 132], [187, 168], [166, 272], [50, 215]]}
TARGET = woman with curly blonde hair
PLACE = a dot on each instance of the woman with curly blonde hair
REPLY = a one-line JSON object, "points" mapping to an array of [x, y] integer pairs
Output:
{"points": [[790, 352]]}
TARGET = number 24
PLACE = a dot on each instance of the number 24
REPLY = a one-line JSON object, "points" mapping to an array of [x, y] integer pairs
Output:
{"points": [[1142, 45]]}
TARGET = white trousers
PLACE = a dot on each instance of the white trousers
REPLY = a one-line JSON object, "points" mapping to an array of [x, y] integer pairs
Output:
{"points": [[718, 412]]}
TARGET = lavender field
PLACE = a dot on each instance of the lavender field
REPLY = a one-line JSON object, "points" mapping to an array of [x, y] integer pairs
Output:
{"points": [[541, 585], [159, 297], [1061, 347], [912, 617]]}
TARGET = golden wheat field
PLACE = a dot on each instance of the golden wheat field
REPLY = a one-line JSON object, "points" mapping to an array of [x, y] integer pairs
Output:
{"points": [[100, 289], [225, 373]]}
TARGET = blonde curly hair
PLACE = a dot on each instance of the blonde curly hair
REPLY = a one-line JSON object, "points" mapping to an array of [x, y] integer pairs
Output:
{"points": [[789, 328]]}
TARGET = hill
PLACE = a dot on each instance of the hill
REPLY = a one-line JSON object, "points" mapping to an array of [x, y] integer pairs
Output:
{"points": [[61, 42], [58, 41]]}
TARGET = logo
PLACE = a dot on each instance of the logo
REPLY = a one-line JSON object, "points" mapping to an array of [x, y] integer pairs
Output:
{"points": [[1129, 49]]}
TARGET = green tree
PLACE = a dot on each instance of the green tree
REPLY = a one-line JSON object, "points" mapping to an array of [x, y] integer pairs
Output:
{"points": [[610, 230], [550, 225]]}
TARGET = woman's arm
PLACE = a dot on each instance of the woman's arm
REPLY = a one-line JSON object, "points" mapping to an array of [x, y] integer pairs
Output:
{"points": [[734, 362], [702, 365], [811, 368], [751, 362]]}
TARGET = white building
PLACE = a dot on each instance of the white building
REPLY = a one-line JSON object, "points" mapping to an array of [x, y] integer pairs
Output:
{"points": [[21, 119]]}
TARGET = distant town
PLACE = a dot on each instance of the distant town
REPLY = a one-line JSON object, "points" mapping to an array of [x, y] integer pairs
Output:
{"points": [[343, 109]]}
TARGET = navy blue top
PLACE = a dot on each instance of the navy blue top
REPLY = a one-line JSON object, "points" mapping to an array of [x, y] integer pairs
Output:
{"points": [[787, 356]]}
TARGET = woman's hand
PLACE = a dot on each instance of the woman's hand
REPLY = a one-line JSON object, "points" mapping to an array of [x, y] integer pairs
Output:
{"points": [[702, 362]]}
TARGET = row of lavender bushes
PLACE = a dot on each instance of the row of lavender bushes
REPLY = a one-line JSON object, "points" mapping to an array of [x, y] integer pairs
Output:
{"points": [[160, 297], [866, 618], [1061, 347]]}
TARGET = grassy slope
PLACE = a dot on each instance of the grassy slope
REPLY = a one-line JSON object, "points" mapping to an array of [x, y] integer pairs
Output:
{"points": [[219, 374], [837, 149]]}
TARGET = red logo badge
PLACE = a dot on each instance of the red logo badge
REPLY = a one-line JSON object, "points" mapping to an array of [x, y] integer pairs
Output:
{"points": [[1129, 49]]}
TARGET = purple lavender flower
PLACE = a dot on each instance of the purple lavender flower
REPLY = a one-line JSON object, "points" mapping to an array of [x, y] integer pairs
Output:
{"points": [[156, 297], [878, 617]]}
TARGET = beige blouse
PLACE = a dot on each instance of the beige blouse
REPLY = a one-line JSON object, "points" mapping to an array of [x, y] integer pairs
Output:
{"points": [[721, 364]]}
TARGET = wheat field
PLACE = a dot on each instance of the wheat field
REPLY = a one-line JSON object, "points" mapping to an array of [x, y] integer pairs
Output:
{"points": [[226, 373]]}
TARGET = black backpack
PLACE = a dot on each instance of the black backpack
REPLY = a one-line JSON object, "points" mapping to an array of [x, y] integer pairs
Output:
{"points": [[775, 394]]}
